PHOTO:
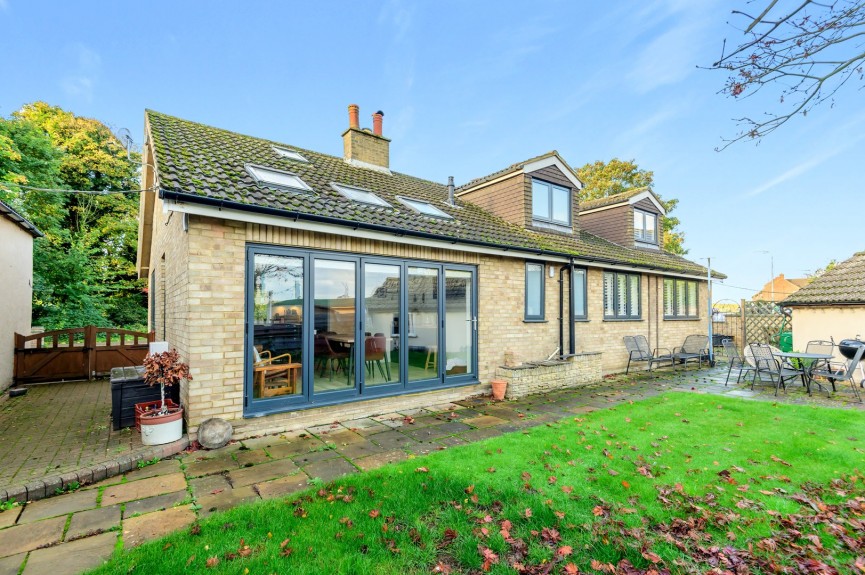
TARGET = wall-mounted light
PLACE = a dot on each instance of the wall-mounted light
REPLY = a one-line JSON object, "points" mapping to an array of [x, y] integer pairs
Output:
{"points": [[185, 222], [552, 271]]}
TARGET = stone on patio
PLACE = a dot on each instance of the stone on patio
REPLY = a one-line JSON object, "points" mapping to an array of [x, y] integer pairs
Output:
{"points": [[484, 421], [137, 530], [330, 469], [247, 457], [93, 521], [282, 486], [143, 488], [72, 558], [374, 461], [22, 538], [223, 500], [151, 504], [392, 440], [207, 485], [59, 505], [261, 473], [164, 467], [315, 456], [222, 462], [292, 447]]}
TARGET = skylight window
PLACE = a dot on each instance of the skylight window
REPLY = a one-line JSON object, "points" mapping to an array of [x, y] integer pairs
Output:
{"points": [[424, 208], [290, 154], [272, 177], [360, 195]]}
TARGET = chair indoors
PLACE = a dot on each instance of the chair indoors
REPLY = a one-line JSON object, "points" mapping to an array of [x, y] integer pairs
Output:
{"points": [[695, 348], [736, 360], [271, 378], [837, 371], [329, 356], [375, 353], [768, 364], [638, 350]]}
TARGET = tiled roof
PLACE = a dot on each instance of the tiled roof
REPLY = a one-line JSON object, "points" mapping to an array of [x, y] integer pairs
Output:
{"points": [[196, 162], [19, 220], [843, 284], [512, 168], [611, 200]]}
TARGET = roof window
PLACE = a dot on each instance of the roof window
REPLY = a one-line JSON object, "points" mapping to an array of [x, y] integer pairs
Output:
{"points": [[278, 178], [290, 154], [360, 195], [424, 208]]}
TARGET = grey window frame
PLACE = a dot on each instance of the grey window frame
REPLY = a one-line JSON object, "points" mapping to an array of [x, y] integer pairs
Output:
{"points": [[641, 238], [407, 202], [616, 317], [585, 281], [289, 154], [344, 190], [526, 316], [549, 219], [674, 295], [250, 169]]}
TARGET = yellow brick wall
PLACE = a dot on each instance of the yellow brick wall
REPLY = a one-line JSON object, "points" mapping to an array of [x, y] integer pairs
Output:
{"points": [[205, 274], [366, 147]]}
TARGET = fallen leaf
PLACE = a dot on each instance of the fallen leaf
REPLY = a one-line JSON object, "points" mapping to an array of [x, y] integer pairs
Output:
{"points": [[212, 562], [421, 470], [564, 551], [374, 513]]}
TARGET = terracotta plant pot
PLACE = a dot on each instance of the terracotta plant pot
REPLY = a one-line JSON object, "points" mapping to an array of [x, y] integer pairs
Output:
{"points": [[158, 429], [500, 387]]}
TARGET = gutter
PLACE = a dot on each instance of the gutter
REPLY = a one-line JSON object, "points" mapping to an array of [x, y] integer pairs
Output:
{"points": [[220, 204]]}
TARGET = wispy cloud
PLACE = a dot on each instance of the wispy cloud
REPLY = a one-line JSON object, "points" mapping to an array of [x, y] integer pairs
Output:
{"points": [[396, 16], [81, 81]]}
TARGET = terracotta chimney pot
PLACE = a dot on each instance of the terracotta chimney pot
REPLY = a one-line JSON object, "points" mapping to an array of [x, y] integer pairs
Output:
{"points": [[376, 122], [354, 116]]}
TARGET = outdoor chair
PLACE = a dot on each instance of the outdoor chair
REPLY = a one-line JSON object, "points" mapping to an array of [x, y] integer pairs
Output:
{"points": [[820, 346], [838, 371], [638, 350], [736, 360], [695, 348], [271, 378], [768, 364]]}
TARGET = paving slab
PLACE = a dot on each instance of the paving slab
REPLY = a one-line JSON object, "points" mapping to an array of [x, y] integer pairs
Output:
{"points": [[392, 440], [59, 505], [164, 467], [143, 488], [427, 433], [293, 447], [8, 517], [150, 504], [261, 473], [11, 565], [342, 437], [211, 465], [452, 441], [374, 461], [481, 434], [227, 499], [22, 538], [363, 449], [247, 457], [315, 456], [283, 486], [208, 485], [330, 469], [72, 558], [93, 521], [484, 421], [137, 530], [365, 426]]}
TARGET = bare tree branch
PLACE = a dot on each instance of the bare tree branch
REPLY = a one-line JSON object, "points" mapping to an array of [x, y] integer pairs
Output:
{"points": [[780, 52]]}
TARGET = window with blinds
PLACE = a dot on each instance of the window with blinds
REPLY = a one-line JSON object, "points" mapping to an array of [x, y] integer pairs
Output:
{"points": [[621, 295], [680, 299]]}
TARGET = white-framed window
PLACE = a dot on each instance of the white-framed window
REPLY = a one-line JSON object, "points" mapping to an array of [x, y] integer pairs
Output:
{"points": [[680, 299], [621, 295], [360, 195], [290, 154], [424, 208], [551, 204], [278, 178], [645, 227]]}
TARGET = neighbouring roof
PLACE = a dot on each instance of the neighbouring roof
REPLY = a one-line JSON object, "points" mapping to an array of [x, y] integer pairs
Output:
{"points": [[842, 285], [199, 163], [19, 220]]}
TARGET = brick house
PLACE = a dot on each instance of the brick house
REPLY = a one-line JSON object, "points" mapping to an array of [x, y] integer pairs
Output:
{"points": [[378, 290]]}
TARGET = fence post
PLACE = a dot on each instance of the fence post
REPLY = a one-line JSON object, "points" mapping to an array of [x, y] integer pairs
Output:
{"points": [[744, 327], [89, 349]]}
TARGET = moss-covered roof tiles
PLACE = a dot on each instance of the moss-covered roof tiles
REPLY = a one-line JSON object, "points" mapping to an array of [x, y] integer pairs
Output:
{"points": [[199, 161], [843, 284]]}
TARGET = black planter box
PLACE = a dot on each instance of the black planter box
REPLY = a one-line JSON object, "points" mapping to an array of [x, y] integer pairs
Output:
{"points": [[127, 389]]}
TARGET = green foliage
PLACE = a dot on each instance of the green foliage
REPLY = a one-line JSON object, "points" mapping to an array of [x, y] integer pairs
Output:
{"points": [[84, 267], [603, 179], [820, 271], [148, 462], [8, 504]]}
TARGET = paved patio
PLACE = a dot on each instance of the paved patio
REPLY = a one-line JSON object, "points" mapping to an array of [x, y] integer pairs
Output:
{"points": [[76, 531]]}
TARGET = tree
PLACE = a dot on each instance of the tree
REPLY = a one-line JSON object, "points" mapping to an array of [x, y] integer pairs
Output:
{"points": [[820, 271], [603, 179], [84, 268], [806, 52]]}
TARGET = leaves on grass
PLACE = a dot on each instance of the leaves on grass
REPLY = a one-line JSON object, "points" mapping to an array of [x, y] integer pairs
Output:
{"points": [[779, 460]]}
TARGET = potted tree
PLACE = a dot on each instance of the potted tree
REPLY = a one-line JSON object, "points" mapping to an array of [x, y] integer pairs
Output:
{"points": [[164, 422]]}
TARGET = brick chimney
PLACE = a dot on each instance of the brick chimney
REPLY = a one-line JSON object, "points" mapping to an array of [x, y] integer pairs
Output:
{"points": [[365, 148]]}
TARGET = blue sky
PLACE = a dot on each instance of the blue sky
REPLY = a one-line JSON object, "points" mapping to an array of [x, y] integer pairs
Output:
{"points": [[468, 88]]}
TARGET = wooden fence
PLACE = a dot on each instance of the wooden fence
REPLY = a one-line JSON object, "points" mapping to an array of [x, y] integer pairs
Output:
{"points": [[79, 353]]}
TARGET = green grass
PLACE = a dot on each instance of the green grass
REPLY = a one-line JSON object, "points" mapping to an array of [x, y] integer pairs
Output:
{"points": [[607, 482]]}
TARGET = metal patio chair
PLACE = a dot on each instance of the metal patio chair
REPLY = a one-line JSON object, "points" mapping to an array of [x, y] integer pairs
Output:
{"points": [[837, 371], [695, 348], [768, 364], [736, 360], [820, 346], [638, 350]]}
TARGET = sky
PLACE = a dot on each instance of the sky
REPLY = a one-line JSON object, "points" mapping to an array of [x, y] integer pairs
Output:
{"points": [[468, 88]]}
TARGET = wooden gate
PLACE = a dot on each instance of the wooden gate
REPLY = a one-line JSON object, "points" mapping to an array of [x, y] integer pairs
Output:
{"points": [[80, 353]]}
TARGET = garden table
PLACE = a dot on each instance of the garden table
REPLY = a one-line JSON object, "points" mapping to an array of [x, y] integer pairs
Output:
{"points": [[803, 357]]}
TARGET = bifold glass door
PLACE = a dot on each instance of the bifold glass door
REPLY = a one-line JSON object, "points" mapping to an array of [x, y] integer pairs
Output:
{"points": [[324, 328]]}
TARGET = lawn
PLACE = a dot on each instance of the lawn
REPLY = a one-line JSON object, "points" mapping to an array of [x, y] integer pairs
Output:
{"points": [[682, 482]]}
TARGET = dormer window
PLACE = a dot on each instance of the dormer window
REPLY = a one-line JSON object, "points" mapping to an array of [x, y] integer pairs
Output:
{"points": [[551, 204], [645, 227]]}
